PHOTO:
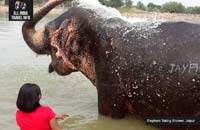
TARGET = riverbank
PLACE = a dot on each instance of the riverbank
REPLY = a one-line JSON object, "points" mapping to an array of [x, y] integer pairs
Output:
{"points": [[174, 17]]}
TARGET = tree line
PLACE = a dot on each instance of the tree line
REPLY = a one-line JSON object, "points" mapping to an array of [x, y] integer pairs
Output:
{"points": [[171, 7]]}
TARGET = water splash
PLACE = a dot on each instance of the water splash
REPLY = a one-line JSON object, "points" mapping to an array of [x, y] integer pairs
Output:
{"points": [[109, 12], [101, 10], [113, 19]]}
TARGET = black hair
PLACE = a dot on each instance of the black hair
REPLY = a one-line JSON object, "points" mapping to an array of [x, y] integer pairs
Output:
{"points": [[28, 97]]}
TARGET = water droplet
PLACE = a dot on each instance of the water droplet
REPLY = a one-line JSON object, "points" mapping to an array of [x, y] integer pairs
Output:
{"points": [[135, 87], [158, 95], [141, 92], [147, 78], [154, 62], [130, 95], [134, 93]]}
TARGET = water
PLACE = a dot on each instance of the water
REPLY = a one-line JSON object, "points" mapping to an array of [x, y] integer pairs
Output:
{"points": [[72, 94]]}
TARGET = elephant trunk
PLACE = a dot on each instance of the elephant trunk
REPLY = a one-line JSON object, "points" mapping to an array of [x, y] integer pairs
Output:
{"points": [[36, 39]]}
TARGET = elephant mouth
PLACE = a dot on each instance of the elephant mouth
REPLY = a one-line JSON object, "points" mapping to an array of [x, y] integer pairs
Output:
{"points": [[60, 68], [60, 62]]}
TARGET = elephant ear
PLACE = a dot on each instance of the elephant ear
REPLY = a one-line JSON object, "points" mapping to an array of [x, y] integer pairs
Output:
{"points": [[62, 39]]}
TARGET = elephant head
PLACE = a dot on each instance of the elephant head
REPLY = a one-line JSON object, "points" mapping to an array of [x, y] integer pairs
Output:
{"points": [[68, 39]]}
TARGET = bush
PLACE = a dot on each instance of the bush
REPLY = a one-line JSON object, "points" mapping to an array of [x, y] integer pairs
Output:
{"points": [[112, 3], [188, 10], [116, 3], [153, 7], [195, 10], [140, 5], [128, 3], [173, 7]]}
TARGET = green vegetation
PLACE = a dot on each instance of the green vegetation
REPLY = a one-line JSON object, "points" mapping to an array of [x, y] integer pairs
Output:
{"points": [[169, 7], [116, 3], [112, 3], [128, 3], [140, 5], [193, 10], [153, 7], [173, 7]]}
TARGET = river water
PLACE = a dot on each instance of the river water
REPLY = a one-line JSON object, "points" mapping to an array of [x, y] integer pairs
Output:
{"points": [[72, 94]]}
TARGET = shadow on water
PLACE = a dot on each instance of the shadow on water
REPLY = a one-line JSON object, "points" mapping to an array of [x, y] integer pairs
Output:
{"points": [[72, 94]]}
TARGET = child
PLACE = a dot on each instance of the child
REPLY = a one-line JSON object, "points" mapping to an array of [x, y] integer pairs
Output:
{"points": [[33, 116]]}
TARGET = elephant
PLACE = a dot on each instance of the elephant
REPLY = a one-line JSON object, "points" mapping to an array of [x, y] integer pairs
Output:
{"points": [[150, 70]]}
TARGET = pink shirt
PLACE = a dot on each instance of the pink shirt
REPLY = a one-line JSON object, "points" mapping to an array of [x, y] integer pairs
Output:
{"points": [[37, 120]]}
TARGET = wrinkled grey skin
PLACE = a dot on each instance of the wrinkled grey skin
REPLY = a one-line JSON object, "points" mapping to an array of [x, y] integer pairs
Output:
{"points": [[152, 72]]}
